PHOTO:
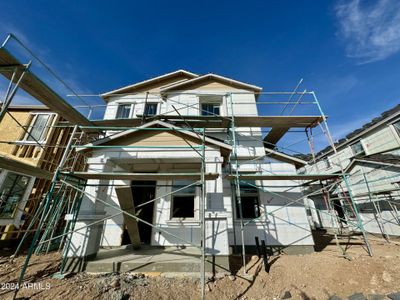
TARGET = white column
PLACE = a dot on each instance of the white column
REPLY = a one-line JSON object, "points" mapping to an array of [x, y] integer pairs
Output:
{"points": [[215, 215], [86, 241]]}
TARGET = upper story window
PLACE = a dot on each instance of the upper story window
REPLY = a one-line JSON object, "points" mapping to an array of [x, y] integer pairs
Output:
{"points": [[150, 109], [210, 105], [123, 111], [37, 128], [397, 126], [357, 148], [182, 205], [11, 193], [210, 109], [249, 196], [327, 162]]}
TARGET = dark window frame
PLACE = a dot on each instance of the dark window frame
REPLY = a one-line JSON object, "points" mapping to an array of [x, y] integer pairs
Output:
{"points": [[10, 200], [249, 198], [357, 145], [210, 109], [152, 107], [32, 136], [188, 194], [327, 162], [121, 111], [180, 211], [396, 126]]}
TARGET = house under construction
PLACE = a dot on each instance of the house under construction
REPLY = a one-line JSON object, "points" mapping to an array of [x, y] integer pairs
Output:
{"points": [[184, 140], [28, 159], [194, 167], [370, 156]]}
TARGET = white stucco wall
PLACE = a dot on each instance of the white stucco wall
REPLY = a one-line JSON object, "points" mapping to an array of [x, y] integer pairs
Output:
{"points": [[286, 225]]}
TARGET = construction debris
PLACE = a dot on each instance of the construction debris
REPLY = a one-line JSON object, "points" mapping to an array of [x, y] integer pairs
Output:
{"points": [[321, 275]]}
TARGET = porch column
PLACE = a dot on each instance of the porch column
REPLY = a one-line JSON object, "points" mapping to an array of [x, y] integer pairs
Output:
{"points": [[215, 214], [85, 242]]}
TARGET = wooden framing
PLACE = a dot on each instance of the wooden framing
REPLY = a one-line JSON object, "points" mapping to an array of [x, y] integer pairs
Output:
{"points": [[23, 168], [35, 161]]}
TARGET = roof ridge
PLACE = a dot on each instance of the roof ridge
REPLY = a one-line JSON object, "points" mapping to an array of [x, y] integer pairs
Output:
{"points": [[149, 80], [387, 114], [224, 78]]}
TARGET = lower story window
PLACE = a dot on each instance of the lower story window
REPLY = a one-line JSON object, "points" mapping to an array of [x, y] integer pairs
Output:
{"points": [[249, 197], [347, 207], [11, 193], [183, 200], [183, 207]]}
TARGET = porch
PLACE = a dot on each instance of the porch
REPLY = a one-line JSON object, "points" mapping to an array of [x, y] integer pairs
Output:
{"points": [[154, 260]]}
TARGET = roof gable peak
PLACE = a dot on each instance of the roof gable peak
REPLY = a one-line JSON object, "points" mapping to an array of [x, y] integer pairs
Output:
{"points": [[213, 77], [141, 85], [128, 132]]}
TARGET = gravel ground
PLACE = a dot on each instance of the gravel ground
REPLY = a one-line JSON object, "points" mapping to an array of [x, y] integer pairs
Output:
{"points": [[319, 275]]}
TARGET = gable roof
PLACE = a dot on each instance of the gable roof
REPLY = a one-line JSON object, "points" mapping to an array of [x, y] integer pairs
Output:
{"points": [[212, 78], [386, 117], [388, 160], [139, 86], [126, 133]]}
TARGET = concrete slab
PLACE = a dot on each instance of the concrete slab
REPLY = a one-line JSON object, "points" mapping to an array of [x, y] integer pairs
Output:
{"points": [[154, 259]]}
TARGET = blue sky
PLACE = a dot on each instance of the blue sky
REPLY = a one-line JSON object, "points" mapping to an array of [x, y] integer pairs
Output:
{"points": [[347, 52]]}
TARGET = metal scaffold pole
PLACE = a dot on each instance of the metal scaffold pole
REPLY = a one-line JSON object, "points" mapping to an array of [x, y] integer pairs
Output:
{"points": [[236, 174], [12, 90], [377, 214], [71, 224], [344, 175], [202, 213], [359, 220], [333, 218]]}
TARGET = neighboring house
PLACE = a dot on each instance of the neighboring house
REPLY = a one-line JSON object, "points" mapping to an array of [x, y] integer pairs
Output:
{"points": [[371, 157], [160, 109], [30, 157], [25, 167]]}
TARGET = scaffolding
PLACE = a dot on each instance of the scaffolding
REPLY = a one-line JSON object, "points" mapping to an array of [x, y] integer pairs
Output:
{"points": [[55, 218]]}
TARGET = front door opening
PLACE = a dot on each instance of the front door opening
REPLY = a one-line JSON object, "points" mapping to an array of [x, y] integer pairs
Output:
{"points": [[143, 191], [340, 212]]}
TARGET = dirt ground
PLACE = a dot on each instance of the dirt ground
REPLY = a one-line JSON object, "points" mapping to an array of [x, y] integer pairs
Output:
{"points": [[312, 276]]}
